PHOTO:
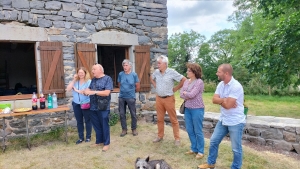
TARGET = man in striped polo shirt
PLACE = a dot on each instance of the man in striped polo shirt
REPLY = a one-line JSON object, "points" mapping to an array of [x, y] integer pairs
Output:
{"points": [[163, 80]]}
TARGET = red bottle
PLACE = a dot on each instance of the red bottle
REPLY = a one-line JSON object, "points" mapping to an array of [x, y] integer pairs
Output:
{"points": [[42, 101], [34, 102]]}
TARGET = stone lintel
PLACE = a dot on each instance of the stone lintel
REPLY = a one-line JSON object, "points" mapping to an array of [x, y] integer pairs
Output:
{"points": [[22, 33], [114, 38]]}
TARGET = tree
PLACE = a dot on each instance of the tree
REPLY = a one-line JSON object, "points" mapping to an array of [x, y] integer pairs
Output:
{"points": [[222, 43], [183, 48], [274, 46], [207, 62]]}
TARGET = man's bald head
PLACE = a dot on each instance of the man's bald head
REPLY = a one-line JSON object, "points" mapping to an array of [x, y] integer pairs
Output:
{"points": [[99, 67], [97, 70], [226, 68]]}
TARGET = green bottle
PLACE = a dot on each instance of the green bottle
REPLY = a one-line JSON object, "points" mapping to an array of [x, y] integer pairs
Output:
{"points": [[49, 99]]}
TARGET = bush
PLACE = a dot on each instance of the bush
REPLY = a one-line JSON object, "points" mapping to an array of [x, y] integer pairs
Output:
{"points": [[210, 87], [113, 119]]}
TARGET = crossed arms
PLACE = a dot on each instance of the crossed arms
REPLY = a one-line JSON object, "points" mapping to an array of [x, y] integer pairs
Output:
{"points": [[227, 103]]}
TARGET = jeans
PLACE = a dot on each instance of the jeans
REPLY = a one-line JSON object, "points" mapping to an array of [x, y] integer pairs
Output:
{"points": [[81, 114], [122, 109], [193, 118], [100, 119], [236, 133]]}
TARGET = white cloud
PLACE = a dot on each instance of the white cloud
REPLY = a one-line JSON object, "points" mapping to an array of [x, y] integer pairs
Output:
{"points": [[204, 17]]}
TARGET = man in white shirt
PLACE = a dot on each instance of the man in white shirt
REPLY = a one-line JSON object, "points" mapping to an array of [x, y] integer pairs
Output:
{"points": [[230, 96]]}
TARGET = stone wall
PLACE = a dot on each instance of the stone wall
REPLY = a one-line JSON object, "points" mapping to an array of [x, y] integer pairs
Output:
{"points": [[277, 132], [78, 21]]}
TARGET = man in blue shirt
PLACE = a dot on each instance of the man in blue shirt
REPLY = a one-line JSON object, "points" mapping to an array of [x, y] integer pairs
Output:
{"points": [[129, 83], [230, 96]]}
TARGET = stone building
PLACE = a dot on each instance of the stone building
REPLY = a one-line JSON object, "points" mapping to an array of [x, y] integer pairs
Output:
{"points": [[42, 43]]}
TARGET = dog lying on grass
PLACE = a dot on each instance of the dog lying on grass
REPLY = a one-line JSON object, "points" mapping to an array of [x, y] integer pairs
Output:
{"points": [[153, 164]]}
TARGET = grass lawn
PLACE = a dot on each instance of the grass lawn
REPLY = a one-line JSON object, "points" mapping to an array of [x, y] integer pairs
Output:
{"points": [[49, 151], [258, 105]]}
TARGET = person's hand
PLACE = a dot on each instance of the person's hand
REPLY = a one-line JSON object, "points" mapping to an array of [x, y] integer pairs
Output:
{"points": [[75, 77], [174, 90], [86, 92], [74, 88]]}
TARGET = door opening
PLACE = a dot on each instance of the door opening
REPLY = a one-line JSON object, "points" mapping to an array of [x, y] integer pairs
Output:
{"points": [[111, 58]]}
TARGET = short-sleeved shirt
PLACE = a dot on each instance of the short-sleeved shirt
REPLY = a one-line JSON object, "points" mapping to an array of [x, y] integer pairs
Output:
{"points": [[100, 84], [233, 89], [77, 98], [193, 94], [165, 82], [127, 84]]}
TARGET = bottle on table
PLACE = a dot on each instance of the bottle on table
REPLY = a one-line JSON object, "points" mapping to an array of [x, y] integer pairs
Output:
{"points": [[49, 99], [54, 100], [34, 101], [42, 101]]}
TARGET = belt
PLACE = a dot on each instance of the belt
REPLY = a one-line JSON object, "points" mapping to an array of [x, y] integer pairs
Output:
{"points": [[163, 97]]}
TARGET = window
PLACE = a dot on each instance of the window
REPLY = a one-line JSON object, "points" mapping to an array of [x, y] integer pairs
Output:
{"points": [[17, 68], [30, 70]]}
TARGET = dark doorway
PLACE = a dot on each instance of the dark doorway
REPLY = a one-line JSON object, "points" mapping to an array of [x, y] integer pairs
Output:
{"points": [[111, 58], [17, 68]]}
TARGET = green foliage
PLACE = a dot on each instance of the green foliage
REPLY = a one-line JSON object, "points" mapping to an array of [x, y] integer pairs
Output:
{"points": [[207, 62], [113, 118], [183, 48], [271, 33], [221, 44], [209, 87], [257, 87], [265, 44]]}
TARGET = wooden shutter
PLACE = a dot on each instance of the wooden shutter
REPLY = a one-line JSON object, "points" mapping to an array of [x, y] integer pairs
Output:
{"points": [[142, 66], [52, 68], [85, 55]]}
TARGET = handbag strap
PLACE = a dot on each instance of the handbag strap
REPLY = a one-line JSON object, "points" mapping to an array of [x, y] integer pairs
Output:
{"points": [[77, 92]]}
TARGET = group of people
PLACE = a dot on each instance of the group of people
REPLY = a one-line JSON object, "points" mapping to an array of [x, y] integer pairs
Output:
{"points": [[229, 95], [85, 89]]}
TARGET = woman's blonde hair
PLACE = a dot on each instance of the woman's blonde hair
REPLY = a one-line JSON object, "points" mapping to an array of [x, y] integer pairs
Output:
{"points": [[87, 73]]}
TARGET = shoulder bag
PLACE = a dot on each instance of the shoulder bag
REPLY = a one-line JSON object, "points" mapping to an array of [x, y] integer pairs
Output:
{"points": [[182, 107], [103, 101]]}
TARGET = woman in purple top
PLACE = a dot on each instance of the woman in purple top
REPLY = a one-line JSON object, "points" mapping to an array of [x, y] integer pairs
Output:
{"points": [[191, 92]]}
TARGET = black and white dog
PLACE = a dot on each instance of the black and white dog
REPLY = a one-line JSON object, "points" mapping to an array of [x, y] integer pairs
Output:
{"points": [[153, 164]]}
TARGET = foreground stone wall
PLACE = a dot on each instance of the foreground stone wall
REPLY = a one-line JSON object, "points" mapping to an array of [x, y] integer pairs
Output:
{"points": [[277, 132], [77, 21]]}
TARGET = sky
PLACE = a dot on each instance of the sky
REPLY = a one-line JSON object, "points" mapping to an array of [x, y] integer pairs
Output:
{"points": [[203, 16]]}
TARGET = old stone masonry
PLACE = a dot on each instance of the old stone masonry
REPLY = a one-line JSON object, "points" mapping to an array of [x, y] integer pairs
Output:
{"points": [[81, 18], [127, 23]]}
